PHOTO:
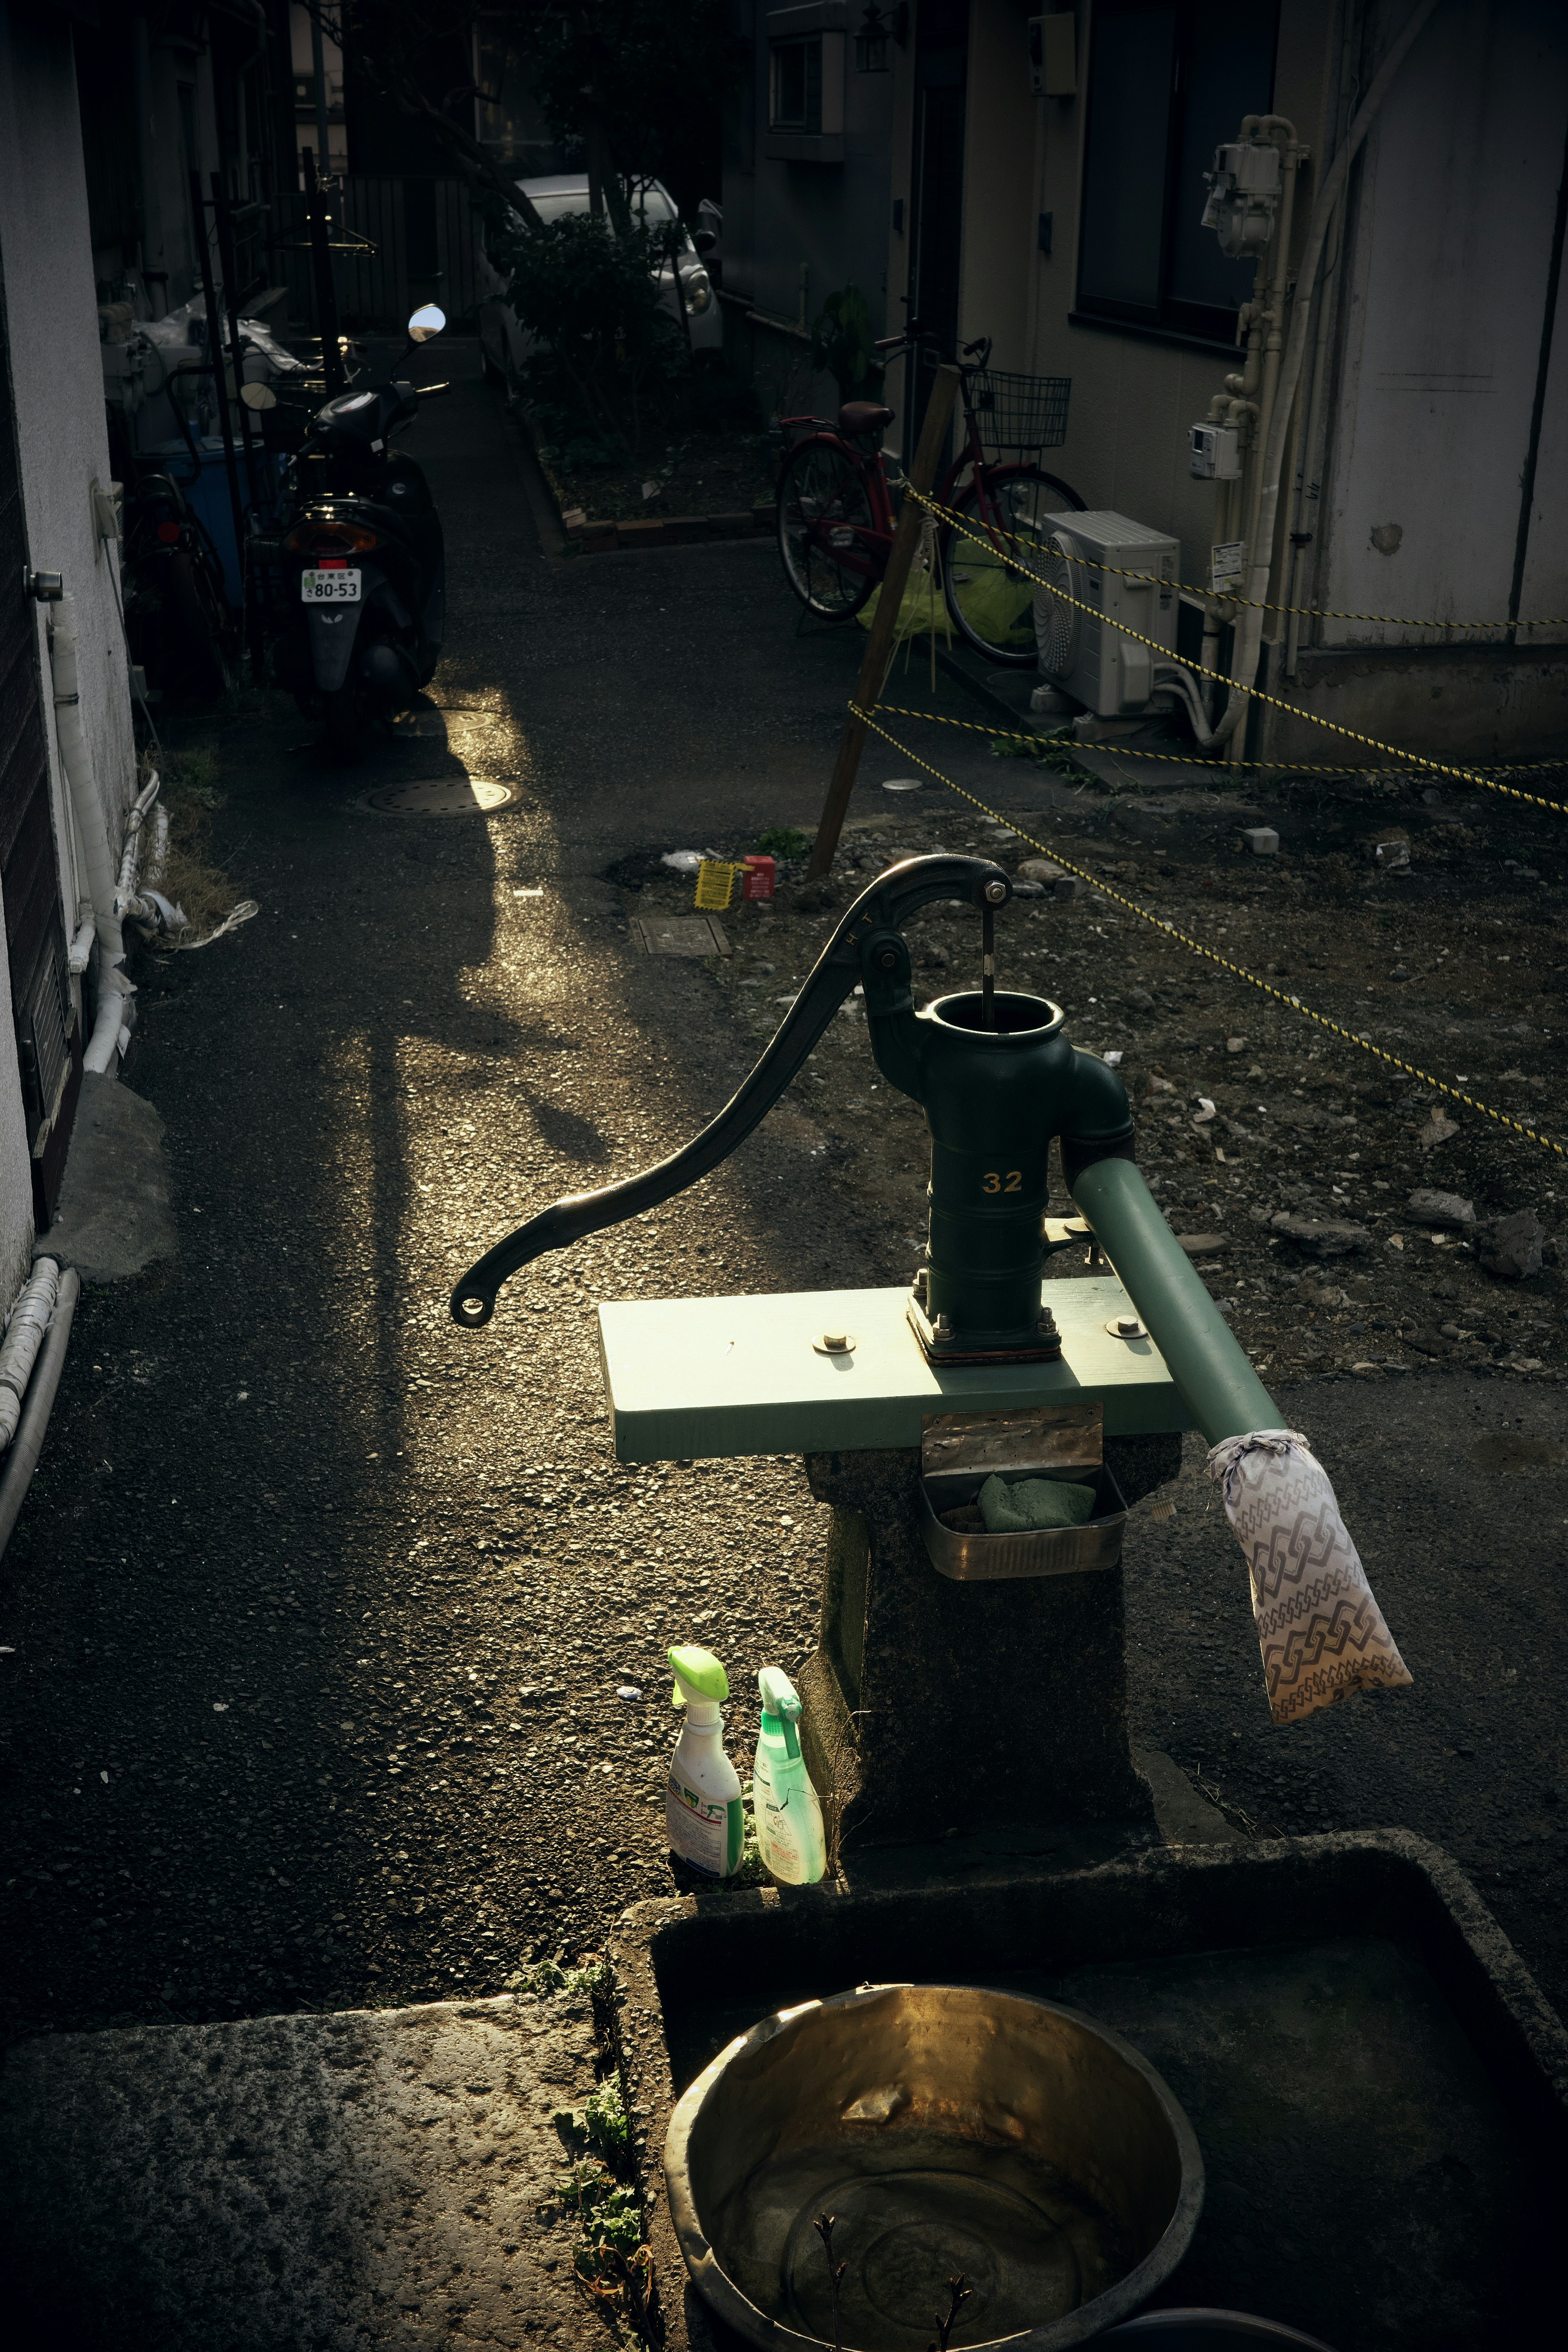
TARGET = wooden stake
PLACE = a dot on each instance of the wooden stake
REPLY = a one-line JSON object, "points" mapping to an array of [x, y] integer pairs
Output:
{"points": [[885, 620]]}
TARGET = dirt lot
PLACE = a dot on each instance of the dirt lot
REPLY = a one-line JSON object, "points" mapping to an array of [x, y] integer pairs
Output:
{"points": [[693, 474], [1455, 964]]}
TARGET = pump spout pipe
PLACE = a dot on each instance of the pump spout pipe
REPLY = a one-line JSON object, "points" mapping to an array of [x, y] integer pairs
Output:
{"points": [[879, 911]]}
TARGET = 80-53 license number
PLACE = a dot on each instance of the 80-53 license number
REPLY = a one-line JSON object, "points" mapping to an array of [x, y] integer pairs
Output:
{"points": [[330, 587]]}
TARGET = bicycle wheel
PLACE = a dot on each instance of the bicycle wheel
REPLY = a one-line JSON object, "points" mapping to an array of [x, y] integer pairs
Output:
{"points": [[823, 510], [991, 605]]}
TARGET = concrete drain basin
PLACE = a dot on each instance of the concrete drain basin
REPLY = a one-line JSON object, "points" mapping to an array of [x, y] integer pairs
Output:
{"points": [[1378, 2088], [950, 2130]]}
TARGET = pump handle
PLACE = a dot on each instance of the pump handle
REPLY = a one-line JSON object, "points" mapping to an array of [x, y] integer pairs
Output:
{"points": [[886, 905]]}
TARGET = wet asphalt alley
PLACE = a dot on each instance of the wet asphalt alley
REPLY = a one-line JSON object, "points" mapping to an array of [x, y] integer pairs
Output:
{"points": [[319, 1608]]}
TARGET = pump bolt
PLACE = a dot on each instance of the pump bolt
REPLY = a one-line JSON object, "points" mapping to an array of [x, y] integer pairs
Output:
{"points": [[995, 892], [887, 959]]}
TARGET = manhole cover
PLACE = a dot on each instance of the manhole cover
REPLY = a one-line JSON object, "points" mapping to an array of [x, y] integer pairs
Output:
{"points": [[442, 797], [679, 934]]}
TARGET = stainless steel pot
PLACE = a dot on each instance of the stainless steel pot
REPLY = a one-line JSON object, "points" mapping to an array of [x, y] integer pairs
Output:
{"points": [[950, 2130]]}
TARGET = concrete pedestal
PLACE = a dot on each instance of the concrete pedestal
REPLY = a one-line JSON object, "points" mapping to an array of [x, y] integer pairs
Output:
{"points": [[933, 1707]]}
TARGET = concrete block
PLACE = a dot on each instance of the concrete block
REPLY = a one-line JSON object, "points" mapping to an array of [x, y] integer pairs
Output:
{"points": [[1262, 840], [115, 1214], [372, 2177]]}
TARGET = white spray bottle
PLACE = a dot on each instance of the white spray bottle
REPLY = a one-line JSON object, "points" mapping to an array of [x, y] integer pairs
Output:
{"points": [[790, 1833], [702, 1808]]}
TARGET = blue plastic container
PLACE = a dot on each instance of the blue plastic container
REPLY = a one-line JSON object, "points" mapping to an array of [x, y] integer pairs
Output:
{"points": [[208, 495]]}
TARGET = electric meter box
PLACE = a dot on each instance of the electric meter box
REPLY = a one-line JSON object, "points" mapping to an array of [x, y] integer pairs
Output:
{"points": [[1216, 452], [1114, 571]]}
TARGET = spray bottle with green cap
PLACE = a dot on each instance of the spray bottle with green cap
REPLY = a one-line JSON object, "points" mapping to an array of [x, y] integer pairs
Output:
{"points": [[702, 1808], [790, 1835]]}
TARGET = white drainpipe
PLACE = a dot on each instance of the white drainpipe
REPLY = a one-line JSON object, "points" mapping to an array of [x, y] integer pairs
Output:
{"points": [[1250, 630], [113, 897]]}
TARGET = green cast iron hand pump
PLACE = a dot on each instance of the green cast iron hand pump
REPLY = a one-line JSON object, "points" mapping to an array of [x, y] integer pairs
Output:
{"points": [[997, 1079]]}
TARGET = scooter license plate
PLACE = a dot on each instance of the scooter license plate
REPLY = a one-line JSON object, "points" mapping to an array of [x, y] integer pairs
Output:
{"points": [[330, 587]]}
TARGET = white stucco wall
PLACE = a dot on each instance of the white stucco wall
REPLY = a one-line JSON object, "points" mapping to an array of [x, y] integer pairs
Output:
{"points": [[1450, 244], [57, 381]]}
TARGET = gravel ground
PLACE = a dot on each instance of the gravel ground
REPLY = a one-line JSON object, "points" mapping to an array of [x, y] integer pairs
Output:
{"points": [[318, 1608]]}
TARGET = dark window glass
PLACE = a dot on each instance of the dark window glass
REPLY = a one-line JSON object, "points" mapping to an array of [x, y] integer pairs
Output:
{"points": [[1229, 69], [1126, 170], [797, 85], [1169, 81]]}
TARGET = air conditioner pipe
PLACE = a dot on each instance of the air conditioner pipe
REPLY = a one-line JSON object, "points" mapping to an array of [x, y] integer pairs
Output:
{"points": [[1244, 665], [76, 757], [112, 897], [37, 1406], [24, 1336]]}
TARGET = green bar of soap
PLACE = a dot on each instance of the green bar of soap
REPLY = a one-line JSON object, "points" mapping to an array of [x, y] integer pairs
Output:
{"points": [[1010, 1510]]}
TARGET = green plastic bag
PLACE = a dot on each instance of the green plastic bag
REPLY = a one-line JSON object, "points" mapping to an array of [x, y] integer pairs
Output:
{"points": [[1028, 1503]]}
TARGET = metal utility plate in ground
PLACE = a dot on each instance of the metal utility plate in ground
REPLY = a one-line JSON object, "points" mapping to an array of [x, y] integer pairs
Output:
{"points": [[707, 1377], [443, 796], [1374, 2079], [679, 934]]}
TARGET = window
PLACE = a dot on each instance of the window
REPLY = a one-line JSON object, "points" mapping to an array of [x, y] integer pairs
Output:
{"points": [[805, 82], [797, 100], [1169, 81]]}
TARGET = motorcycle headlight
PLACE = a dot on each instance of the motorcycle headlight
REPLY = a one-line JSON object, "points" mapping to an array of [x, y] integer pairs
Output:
{"points": [[699, 290]]}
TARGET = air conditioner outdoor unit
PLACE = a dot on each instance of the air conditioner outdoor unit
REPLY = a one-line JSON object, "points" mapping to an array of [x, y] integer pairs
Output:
{"points": [[1113, 569]]}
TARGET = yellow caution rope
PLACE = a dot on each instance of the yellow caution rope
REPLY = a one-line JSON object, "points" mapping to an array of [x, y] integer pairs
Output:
{"points": [[1197, 947]]}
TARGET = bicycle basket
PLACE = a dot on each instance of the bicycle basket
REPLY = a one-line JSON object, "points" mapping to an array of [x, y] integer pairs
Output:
{"points": [[1020, 412]]}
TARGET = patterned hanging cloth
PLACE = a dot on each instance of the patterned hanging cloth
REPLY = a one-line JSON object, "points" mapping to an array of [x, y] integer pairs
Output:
{"points": [[1319, 1628]]}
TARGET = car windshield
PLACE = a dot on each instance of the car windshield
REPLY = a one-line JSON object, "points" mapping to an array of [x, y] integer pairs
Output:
{"points": [[650, 204]]}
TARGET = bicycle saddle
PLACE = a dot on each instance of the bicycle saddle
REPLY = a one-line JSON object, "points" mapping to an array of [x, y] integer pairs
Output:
{"points": [[863, 416]]}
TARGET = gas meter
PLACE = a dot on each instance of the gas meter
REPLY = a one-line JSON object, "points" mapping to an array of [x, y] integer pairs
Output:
{"points": [[1243, 196]]}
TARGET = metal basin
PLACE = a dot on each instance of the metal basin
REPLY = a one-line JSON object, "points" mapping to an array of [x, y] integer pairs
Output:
{"points": [[949, 2129]]}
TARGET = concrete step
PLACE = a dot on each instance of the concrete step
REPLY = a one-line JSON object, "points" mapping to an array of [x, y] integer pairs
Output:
{"points": [[368, 2177]]}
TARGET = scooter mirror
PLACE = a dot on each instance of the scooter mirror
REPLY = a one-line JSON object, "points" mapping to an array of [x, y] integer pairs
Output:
{"points": [[259, 395], [425, 324]]}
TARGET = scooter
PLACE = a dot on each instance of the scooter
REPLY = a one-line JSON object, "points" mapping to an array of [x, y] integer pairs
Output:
{"points": [[360, 570]]}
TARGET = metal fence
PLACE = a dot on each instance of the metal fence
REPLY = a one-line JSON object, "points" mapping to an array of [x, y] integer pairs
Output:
{"points": [[426, 238]]}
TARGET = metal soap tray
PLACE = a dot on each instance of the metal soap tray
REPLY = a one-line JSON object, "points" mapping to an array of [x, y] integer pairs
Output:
{"points": [[960, 1450]]}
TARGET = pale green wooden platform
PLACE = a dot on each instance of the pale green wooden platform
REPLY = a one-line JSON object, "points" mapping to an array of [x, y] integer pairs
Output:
{"points": [[703, 1377]]}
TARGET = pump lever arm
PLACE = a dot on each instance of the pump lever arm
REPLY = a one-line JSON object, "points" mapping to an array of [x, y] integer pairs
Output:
{"points": [[889, 902]]}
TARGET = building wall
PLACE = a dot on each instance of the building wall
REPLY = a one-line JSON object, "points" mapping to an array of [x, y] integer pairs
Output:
{"points": [[1450, 251], [795, 232], [56, 379]]}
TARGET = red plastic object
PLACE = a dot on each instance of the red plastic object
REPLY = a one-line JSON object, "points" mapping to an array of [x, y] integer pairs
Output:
{"points": [[758, 879], [168, 532]]}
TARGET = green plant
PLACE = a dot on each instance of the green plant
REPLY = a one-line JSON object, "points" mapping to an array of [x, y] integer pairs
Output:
{"points": [[782, 841], [588, 293], [841, 343], [1053, 751], [595, 1979], [600, 2124]]}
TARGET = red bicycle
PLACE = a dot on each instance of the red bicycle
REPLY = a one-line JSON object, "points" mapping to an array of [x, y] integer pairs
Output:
{"points": [[836, 516]]}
